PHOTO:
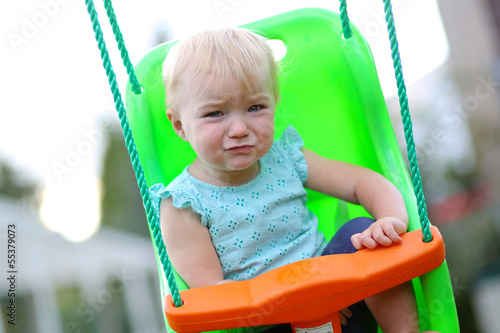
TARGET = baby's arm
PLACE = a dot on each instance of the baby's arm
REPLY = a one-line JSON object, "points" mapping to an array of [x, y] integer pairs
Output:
{"points": [[189, 246], [362, 186]]}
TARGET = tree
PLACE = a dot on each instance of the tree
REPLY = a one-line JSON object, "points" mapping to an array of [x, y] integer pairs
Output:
{"points": [[13, 184], [121, 202]]}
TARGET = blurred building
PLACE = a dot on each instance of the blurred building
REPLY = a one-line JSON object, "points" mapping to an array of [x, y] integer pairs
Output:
{"points": [[106, 284]]}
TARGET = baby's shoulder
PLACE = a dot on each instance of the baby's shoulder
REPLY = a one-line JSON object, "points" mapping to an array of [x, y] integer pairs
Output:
{"points": [[289, 139], [286, 154], [180, 190]]}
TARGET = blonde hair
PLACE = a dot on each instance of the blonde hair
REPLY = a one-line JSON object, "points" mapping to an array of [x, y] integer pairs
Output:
{"points": [[229, 53]]}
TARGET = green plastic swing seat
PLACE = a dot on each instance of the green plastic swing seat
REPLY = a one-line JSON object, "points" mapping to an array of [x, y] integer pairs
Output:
{"points": [[331, 94]]}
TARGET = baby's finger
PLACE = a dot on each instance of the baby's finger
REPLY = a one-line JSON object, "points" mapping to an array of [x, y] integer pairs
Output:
{"points": [[346, 312], [356, 242], [391, 234], [343, 319], [368, 241], [382, 239]]}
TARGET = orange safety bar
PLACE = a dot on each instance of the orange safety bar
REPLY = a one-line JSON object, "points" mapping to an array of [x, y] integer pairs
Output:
{"points": [[308, 292]]}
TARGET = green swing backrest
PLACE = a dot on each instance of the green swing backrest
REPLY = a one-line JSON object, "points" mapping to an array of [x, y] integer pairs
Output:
{"points": [[331, 94]]}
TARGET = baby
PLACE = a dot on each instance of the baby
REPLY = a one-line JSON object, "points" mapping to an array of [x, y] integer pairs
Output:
{"points": [[239, 209]]}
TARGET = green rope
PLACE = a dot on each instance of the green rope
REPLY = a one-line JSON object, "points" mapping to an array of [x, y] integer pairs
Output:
{"points": [[405, 113], [136, 88], [408, 129], [346, 27], [134, 156]]}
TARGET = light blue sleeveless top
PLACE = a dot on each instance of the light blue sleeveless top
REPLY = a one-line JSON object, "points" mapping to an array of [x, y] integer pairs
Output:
{"points": [[260, 225]]}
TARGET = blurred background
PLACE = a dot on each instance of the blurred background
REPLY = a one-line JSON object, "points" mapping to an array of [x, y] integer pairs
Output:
{"points": [[84, 259]]}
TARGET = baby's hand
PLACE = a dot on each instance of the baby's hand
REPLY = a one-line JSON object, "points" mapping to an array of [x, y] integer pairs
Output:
{"points": [[384, 231]]}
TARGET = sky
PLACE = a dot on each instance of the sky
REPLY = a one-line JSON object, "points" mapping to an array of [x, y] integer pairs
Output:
{"points": [[55, 101]]}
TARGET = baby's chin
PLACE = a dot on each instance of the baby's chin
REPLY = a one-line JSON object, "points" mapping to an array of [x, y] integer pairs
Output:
{"points": [[244, 166]]}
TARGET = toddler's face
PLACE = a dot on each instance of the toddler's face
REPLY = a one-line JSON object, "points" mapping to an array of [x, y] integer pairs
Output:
{"points": [[229, 128]]}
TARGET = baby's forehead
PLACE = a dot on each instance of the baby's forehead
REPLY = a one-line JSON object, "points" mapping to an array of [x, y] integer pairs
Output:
{"points": [[212, 83]]}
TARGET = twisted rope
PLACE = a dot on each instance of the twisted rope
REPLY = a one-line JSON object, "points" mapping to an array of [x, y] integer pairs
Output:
{"points": [[136, 88], [346, 27], [408, 127], [405, 114], [132, 150]]}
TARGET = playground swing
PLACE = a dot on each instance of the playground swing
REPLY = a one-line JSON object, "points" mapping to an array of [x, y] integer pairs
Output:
{"points": [[333, 77]]}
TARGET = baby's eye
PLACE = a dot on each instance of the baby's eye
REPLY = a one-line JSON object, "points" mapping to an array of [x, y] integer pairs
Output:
{"points": [[254, 108], [213, 114]]}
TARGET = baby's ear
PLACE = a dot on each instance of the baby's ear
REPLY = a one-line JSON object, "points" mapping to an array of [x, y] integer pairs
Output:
{"points": [[176, 123]]}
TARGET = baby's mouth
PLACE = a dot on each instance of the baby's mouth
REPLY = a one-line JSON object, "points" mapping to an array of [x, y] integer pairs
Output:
{"points": [[240, 149]]}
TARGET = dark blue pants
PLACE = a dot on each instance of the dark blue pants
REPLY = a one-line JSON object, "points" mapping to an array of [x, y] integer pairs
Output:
{"points": [[362, 320]]}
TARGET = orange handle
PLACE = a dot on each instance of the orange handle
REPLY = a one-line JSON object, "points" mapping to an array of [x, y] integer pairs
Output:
{"points": [[306, 290]]}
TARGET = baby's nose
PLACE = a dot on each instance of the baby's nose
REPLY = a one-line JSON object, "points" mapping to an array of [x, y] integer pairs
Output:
{"points": [[239, 127]]}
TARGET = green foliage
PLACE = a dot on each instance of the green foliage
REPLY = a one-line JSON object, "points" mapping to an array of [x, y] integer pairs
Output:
{"points": [[121, 202], [13, 184]]}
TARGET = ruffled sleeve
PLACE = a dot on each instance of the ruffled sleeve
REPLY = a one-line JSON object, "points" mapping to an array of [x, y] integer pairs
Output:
{"points": [[180, 197], [291, 142]]}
